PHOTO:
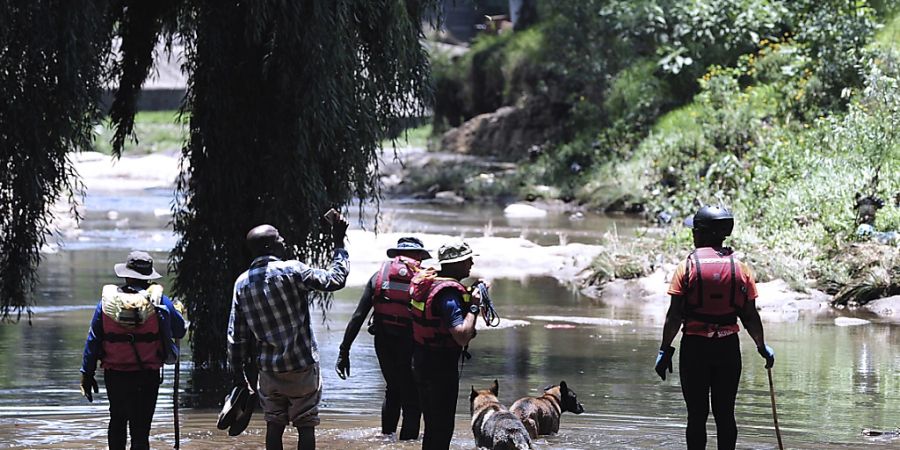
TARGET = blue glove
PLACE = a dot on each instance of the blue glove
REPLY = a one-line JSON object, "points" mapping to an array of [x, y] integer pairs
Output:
{"points": [[664, 361], [766, 352]]}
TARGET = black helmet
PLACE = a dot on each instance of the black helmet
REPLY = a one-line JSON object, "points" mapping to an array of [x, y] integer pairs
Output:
{"points": [[712, 219]]}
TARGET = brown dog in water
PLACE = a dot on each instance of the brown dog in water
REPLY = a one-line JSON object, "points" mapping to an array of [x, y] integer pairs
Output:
{"points": [[540, 415], [493, 425]]}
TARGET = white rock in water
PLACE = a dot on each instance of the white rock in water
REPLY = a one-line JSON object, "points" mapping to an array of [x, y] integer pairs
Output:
{"points": [[523, 211], [885, 307], [448, 197], [112, 215], [582, 320], [504, 323], [850, 321]]}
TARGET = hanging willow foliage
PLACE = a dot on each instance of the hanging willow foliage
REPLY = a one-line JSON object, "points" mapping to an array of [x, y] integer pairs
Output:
{"points": [[51, 59], [288, 101]]}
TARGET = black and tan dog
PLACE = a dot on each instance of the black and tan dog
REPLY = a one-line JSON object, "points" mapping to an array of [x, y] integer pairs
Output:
{"points": [[493, 425], [540, 415]]}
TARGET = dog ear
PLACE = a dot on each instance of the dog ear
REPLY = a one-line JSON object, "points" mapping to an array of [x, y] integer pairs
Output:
{"points": [[495, 388], [473, 394], [563, 389]]}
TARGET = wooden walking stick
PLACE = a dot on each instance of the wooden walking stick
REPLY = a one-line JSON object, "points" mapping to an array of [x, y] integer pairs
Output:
{"points": [[774, 412], [175, 399]]}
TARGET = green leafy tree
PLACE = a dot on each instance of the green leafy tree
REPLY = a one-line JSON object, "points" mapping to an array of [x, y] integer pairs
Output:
{"points": [[288, 103], [288, 106], [51, 55]]}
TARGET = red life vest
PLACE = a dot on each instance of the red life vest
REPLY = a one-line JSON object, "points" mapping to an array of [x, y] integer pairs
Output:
{"points": [[129, 348], [715, 293], [428, 328], [131, 335], [391, 289]]}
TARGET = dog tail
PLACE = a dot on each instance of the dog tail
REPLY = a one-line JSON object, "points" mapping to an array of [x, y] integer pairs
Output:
{"points": [[520, 440], [514, 440]]}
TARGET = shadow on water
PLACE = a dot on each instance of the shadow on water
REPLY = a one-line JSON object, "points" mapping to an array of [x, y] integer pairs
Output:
{"points": [[832, 381]]}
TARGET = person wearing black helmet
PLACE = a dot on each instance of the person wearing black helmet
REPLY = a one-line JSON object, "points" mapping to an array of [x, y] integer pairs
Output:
{"points": [[710, 290]]}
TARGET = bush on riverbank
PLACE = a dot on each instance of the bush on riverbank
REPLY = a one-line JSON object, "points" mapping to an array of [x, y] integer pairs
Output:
{"points": [[784, 111], [792, 182]]}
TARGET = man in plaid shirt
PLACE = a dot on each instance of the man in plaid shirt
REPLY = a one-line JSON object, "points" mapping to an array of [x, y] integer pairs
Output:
{"points": [[270, 319]]}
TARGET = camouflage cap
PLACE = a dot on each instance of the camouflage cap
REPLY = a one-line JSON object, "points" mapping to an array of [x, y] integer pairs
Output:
{"points": [[455, 252]]}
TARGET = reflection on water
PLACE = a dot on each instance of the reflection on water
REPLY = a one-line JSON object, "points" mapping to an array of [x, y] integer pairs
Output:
{"points": [[831, 381]]}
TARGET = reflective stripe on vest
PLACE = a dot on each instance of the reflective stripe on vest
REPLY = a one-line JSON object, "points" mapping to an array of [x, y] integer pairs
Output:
{"points": [[429, 330], [391, 292], [711, 304]]}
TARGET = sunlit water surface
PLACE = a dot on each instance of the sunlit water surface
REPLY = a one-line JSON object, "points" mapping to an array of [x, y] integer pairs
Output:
{"points": [[831, 381]]}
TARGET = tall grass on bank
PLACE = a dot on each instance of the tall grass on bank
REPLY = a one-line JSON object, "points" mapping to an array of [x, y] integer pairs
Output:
{"points": [[156, 131]]}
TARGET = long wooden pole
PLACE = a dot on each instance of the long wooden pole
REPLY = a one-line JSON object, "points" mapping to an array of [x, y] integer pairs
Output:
{"points": [[774, 412], [175, 400]]}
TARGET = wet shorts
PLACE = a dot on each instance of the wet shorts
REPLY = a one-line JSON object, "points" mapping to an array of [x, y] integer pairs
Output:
{"points": [[291, 397]]}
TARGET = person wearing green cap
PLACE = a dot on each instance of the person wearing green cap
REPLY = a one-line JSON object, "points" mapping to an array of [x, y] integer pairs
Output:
{"points": [[444, 316], [388, 293], [133, 333], [710, 290]]}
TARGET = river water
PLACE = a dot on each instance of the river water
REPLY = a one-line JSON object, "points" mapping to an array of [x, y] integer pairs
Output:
{"points": [[831, 381]]}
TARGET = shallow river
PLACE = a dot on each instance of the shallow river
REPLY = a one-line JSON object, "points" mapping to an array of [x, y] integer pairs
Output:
{"points": [[831, 381]]}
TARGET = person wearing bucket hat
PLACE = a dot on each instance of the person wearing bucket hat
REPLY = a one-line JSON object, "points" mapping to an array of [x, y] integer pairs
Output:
{"points": [[444, 316], [388, 293], [133, 333], [710, 290], [271, 346]]}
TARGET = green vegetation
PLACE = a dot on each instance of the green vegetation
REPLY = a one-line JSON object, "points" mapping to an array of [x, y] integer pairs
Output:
{"points": [[499, 70], [288, 104], [784, 111], [418, 136], [155, 131], [165, 131], [52, 57]]}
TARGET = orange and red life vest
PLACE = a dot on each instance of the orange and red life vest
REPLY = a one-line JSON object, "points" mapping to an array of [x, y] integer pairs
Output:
{"points": [[715, 293], [127, 349], [428, 329], [131, 329], [391, 292]]}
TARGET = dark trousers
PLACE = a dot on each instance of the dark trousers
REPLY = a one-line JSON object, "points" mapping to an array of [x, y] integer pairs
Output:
{"points": [[132, 400], [437, 379], [710, 366], [395, 358]]}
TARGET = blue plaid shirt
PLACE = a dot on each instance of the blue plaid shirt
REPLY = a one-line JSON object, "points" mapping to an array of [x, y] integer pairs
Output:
{"points": [[270, 309]]}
